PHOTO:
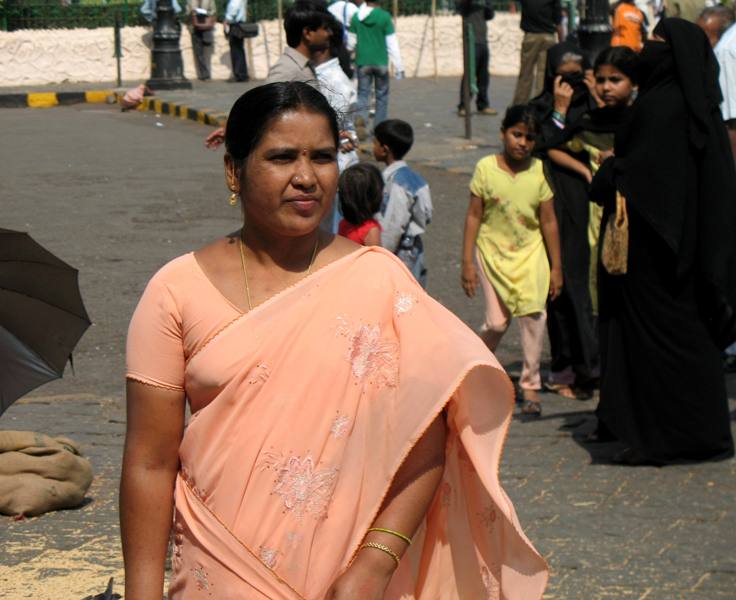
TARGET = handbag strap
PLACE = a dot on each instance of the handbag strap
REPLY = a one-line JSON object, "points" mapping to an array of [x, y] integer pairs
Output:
{"points": [[622, 216]]}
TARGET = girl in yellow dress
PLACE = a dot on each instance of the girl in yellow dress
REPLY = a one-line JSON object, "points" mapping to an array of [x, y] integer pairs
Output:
{"points": [[511, 234]]}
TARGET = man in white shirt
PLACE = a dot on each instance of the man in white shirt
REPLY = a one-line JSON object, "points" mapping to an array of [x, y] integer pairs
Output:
{"points": [[235, 13], [202, 14], [344, 11]]}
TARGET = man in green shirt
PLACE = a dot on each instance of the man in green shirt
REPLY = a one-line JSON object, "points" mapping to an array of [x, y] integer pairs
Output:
{"points": [[372, 32]]}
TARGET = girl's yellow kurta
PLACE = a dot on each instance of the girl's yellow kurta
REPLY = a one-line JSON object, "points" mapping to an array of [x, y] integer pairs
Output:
{"points": [[510, 242]]}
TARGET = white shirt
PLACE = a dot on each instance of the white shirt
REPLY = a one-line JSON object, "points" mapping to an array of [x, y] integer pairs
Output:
{"points": [[725, 52], [336, 87], [343, 11], [236, 11]]}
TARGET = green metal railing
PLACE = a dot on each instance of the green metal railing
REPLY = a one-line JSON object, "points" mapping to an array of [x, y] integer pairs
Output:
{"points": [[70, 14], [53, 14]]}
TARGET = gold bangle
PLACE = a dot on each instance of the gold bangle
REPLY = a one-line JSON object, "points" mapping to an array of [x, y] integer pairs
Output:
{"points": [[401, 536], [382, 548]]}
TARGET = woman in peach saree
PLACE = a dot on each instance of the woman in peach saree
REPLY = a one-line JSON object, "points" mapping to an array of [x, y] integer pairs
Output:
{"points": [[338, 411]]}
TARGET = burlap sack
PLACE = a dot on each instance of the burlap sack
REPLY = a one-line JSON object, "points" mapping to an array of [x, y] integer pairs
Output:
{"points": [[39, 473]]}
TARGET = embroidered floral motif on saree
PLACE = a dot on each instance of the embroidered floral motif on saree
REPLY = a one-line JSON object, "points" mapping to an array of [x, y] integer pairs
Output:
{"points": [[305, 490], [403, 303], [268, 556], [370, 356], [490, 583], [202, 579], [340, 426]]}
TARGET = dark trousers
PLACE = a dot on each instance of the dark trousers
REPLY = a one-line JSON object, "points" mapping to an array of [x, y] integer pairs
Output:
{"points": [[482, 58], [203, 42], [237, 58]]}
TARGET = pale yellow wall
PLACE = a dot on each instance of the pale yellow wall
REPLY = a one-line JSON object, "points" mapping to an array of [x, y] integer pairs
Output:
{"points": [[37, 57]]}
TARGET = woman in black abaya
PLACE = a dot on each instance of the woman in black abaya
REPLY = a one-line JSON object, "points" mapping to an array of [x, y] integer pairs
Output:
{"points": [[662, 387], [570, 320]]}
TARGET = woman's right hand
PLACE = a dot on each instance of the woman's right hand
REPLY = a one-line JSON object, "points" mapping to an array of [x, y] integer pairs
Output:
{"points": [[215, 139], [603, 156], [469, 278], [366, 579], [563, 95]]}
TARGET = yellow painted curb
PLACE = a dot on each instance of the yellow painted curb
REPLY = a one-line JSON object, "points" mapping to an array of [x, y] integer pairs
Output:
{"points": [[98, 96], [42, 100]]}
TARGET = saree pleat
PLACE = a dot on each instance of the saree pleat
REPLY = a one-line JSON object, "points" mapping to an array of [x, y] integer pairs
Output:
{"points": [[321, 393]]}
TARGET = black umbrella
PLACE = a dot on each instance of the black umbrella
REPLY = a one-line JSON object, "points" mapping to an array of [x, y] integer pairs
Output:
{"points": [[42, 315]]}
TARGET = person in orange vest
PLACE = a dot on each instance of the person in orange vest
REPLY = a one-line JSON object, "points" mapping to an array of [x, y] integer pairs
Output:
{"points": [[629, 25]]}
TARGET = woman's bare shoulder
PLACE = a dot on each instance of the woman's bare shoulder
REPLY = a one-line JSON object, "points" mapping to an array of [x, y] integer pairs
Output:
{"points": [[338, 247], [210, 256]]}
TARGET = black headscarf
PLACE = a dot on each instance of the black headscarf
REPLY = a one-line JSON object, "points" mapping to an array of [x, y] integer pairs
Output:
{"points": [[673, 159], [543, 104]]}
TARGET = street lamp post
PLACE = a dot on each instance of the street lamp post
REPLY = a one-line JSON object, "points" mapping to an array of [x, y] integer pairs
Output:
{"points": [[594, 30], [167, 68]]}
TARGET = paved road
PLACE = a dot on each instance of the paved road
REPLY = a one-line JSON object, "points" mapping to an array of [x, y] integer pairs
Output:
{"points": [[117, 195]]}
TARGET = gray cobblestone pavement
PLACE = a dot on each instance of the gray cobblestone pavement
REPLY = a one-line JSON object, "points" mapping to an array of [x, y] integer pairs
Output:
{"points": [[117, 195]]}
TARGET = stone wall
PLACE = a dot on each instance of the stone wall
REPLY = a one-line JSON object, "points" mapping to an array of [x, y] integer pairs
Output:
{"points": [[37, 57]]}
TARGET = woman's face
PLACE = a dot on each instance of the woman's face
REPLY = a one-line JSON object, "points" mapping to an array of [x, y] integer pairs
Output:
{"points": [[613, 87], [289, 180]]}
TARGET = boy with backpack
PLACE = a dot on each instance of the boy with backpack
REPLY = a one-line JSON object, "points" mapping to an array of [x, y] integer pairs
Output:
{"points": [[407, 203]]}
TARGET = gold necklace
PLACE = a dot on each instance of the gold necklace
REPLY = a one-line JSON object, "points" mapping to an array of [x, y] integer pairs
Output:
{"points": [[245, 272]]}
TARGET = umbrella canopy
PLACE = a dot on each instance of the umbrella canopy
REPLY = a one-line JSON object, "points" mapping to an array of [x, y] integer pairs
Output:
{"points": [[42, 315]]}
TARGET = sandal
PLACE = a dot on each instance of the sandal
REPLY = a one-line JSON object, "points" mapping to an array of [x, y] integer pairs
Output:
{"points": [[566, 391], [531, 408]]}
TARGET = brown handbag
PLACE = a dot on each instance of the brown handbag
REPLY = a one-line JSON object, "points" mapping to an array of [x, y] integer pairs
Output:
{"points": [[615, 251]]}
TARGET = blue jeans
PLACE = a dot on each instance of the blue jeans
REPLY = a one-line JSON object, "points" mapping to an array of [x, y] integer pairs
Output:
{"points": [[411, 253], [367, 74]]}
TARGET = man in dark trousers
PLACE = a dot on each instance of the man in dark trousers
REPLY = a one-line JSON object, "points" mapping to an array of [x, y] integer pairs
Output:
{"points": [[541, 21], [475, 13]]}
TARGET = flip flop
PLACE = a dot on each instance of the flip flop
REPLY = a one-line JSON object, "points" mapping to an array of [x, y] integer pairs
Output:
{"points": [[531, 408], [566, 391]]}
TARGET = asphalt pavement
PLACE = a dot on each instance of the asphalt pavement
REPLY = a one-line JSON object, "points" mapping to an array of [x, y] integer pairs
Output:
{"points": [[119, 194]]}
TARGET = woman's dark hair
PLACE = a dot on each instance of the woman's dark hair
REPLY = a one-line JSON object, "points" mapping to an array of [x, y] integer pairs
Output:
{"points": [[623, 59], [520, 113], [337, 38], [309, 14], [361, 192], [397, 135], [254, 111]]}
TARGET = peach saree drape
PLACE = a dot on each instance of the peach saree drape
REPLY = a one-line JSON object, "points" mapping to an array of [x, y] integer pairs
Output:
{"points": [[318, 396]]}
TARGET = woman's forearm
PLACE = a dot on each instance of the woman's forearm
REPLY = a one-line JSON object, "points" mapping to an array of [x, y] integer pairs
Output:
{"points": [[146, 510], [411, 492], [563, 159]]}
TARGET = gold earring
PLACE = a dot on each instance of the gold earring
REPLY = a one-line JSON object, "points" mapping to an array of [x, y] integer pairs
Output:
{"points": [[233, 199]]}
